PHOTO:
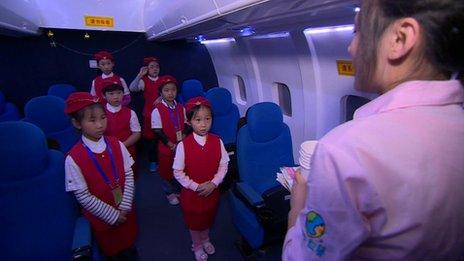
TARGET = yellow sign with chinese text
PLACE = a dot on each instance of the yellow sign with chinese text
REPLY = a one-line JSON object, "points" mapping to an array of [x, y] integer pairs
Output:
{"points": [[345, 67], [99, 21]]}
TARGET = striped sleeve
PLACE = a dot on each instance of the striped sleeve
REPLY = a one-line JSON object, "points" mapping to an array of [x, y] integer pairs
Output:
{"points": [[128, 196], [129, 187], [97, 207]]}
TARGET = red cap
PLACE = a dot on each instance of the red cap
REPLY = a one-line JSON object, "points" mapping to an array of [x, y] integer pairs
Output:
{"points": [[165, 79], [195, 101], [107, 82], [79, 100], [103, 55], [148, 60]]}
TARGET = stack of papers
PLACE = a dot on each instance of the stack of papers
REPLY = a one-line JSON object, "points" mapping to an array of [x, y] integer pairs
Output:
{"points": [[286, 176]]}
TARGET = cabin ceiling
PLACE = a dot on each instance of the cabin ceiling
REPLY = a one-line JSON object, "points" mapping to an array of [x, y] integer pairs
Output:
{"points": [[173, 19]]}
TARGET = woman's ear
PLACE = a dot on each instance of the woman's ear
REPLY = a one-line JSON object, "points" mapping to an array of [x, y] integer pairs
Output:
{"points": [[403, 36], [76, 124]]}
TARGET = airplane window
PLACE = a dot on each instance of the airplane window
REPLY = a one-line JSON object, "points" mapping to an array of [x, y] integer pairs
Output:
{"points": [[240, 88], [285, 99]]}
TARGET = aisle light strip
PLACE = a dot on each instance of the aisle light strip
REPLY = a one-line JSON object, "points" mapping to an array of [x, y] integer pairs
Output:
{"points": [[221, 40], [272, 35], [330, 29]]}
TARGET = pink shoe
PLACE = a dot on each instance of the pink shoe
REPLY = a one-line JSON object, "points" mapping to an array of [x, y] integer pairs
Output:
{"points": [[200, 255], [209, 248], [172, 199]]}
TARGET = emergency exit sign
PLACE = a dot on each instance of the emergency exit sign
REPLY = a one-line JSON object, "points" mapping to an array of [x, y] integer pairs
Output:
{"points": [[345, 67], [99, 21]]}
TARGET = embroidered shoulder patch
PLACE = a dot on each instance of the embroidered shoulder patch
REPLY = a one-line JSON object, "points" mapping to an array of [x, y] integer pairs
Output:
{"points": [[315, 225], [315, 229]]}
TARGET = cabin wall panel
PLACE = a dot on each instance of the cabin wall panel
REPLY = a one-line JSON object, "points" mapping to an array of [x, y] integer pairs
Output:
{"points": [[277, 61], [326, 49], [230, 59]]}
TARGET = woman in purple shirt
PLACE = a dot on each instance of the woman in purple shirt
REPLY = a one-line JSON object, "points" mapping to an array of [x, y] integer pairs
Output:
{"points": [[390, 183]]}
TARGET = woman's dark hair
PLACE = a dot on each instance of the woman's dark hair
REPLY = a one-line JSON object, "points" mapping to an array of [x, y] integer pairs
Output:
{"points": [[79, 115], [442, 22]]}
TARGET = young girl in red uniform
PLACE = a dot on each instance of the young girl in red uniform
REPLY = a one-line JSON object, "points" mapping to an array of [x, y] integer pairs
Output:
{"points": [[105, 62], [148, 81], [167, 121], [122, 122], [200, 165], [98, 171]]}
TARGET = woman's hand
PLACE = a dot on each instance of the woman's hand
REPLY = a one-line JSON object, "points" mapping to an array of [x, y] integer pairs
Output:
{"points": [[298, 199]]}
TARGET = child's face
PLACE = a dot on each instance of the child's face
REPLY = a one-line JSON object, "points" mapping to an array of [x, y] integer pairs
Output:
{"points": [[106, 66], [153, 69], [93, 124], [201, 121], [114, 97], [169, 92]]}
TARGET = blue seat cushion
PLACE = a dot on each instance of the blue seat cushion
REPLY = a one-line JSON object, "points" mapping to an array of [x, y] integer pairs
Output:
{"points": [[47, 112], [191, 88], [10, 113], [265, 122], [24, 151], [61, 90], [246, 222]]}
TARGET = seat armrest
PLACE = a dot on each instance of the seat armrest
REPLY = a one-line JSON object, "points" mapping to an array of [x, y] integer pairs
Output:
{"points": [[252, 197], [82, 241]]}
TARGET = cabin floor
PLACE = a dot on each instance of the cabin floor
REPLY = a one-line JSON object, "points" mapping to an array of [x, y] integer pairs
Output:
{"points": [[162, 231]]}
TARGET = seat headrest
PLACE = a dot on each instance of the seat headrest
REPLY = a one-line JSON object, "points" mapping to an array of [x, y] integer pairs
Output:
{"points": [[24, 151], [265, 121], [61, 90], [220, 99], [47, 112], [192, 88]]}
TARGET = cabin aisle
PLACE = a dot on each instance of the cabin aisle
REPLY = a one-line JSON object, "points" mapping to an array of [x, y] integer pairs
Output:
{"points": [[162, 232]]}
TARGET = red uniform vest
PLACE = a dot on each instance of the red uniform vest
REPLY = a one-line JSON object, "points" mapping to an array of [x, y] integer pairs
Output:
{"points": [[150, 93], [118, 125], [170, 119], [201, 164], [111, 239], [99, 83]]}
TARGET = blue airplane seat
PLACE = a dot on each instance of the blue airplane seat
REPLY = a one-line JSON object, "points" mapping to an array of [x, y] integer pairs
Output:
{"points": [[38, 215], [349, 104], [8, 111], [225, 113], [190, 88], [259, 203], [47, 112], [61, 90], [225, 119]]}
